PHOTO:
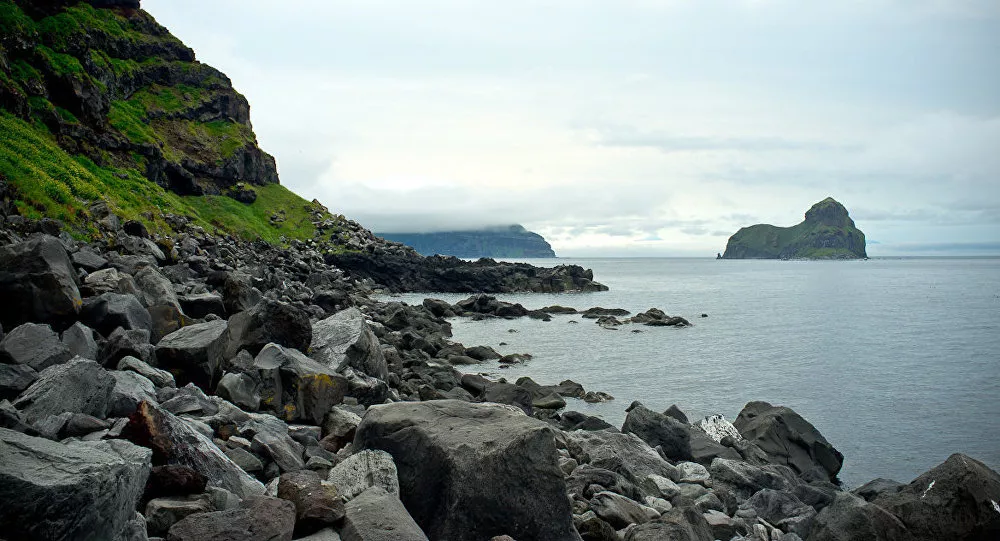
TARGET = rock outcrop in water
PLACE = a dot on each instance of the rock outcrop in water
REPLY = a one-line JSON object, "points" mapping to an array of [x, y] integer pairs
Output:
{"points": [[827, 233], [506, 242]]}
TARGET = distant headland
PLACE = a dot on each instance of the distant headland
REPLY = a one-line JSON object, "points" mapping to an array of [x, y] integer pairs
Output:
{"points": [[828, 232], [504, 241]]}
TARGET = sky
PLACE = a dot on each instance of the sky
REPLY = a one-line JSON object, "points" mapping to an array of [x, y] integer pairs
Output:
{"points": [[625, 127]]}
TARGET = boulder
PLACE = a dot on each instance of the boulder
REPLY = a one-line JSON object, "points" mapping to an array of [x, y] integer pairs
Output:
{"points": [[185, 353], [166, 320], [345, 339], [365, 469], [34, 345], [595, 529], [238, 292], [129, 390], [88, 260], [587, 480], [78, 490], [259, 518], [472, 471], [622, 453], [269, 321], [617, 510], [80, 386], [339, 427], [376, 515], [14, 379], [162, 513], [79, 339], [174, 441], [174, 480], [788, 439], [200, 305], [112, 310], [850, 518], [679, 524], [122, 343], [160, 378], [657, 429], [296, 387], [510, 394], [38, 284], [317, 504], [957, 499], [783, 510], [240, 389], [745, 479], [156, 290]]}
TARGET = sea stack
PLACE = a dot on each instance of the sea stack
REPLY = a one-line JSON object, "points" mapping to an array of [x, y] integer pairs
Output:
{"points": [[828, 232]]}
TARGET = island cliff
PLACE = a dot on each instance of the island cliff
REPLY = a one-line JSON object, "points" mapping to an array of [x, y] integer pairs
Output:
{"points": [[828, 232], [510, 242]]}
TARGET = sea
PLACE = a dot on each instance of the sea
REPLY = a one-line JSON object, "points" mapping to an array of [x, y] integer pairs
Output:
{"points": [[896, 361]]}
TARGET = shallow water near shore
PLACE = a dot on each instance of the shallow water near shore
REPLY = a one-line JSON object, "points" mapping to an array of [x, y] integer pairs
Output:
{"points": [[895, 361]]}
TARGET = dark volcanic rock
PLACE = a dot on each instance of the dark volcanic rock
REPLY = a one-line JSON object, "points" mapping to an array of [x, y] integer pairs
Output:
{"points": [[789, 439], [345, 339], [269, 321], [317, 504], [850, 518], [15, 378], [297, 388], [38, 284], [173, 480], [955, 500], [473, 471], [79, 386], [79, 490], [685, 524], [657, 429], [34, 345], [112, 310], [376, 515], [186, 353], [258, 518]]}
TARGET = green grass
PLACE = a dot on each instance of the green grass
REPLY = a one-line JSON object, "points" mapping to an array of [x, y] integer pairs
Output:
{"points": [[53, 184], [62, 64], [129, 117], [14, 22]]}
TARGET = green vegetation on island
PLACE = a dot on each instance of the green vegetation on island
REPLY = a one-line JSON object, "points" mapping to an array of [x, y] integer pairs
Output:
{"points": [[505, 242], [827, 232]]}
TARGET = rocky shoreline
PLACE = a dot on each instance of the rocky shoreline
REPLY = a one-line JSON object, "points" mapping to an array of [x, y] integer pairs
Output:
{"points": [[200, 387]]}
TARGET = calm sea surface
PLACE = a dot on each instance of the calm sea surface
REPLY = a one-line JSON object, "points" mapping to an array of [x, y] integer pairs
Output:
{"points": [[895, 361]]}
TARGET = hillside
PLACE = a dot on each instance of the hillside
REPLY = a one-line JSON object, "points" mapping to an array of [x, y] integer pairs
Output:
{"points": [[506, 242], [827, 232]]}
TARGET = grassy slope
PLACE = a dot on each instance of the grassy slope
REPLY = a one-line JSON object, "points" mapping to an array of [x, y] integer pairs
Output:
{"points": [[773, 239], [53, 183]]}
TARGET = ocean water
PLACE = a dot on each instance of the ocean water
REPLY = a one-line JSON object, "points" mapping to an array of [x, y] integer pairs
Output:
{"points": [[895, 361]]}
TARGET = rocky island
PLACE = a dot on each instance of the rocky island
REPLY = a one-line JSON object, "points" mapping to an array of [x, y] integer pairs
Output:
{"points": [[506, 242], [827, 232], [189, 351]]}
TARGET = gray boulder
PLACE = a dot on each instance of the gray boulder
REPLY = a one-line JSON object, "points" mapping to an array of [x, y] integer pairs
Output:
{"points": [[112, 310], [80, 386], [269, 321], [129, 391], [659, 430], [317, 504], [788, 439], [510, 394], [850, 518], [162, 513], [957, 499], [744, 479], [472, 471], [126, 343], [622, 453], [34, 345], [363, 470], [79, 490], [38, 284], [345, 339], [617, 510], [783, 510], [200, 305], [679, 524], [186, 354], [177, 442], [156, 290], [297, 388], [160, 378], [14, 379], [240, 389], [239, 293], [376, 515], [88, 260], [259, 518], [79, 339]]}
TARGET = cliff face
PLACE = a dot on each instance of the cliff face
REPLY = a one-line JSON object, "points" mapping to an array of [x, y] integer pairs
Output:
{"points": [[111, 84], [511, 242], [828, 232]]}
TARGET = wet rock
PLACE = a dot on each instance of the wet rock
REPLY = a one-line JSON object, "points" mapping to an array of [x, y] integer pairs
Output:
{"points": [[113, 310], [365, 469], [79, 339], [376, 515], [33, 345], [259, 518], [345, 339], [174, 441], [957, 499], [38, 284], [78, 490], [788, 439], [79, 386], [317, 504], [488, 457], [296, 387], [186, 354], [574, 420]]}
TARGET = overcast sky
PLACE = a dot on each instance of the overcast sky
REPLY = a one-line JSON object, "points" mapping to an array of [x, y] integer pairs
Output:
{"points": [[625, 127]]}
